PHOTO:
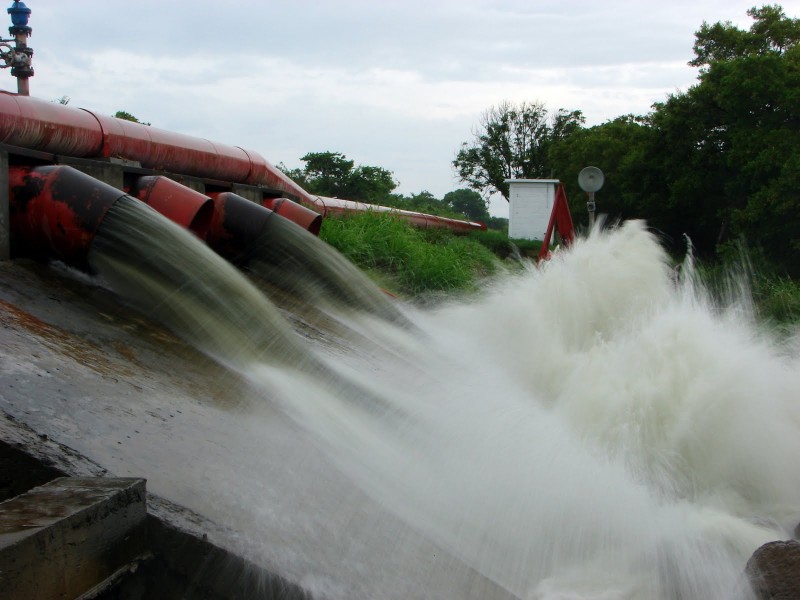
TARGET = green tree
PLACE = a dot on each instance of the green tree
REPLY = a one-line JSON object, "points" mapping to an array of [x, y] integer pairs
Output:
{"points": [[718, 162], [126, 116], [620, 148], [467, 202], [772, 32], [333, 174], [370, 184], [512, 141], [424, 201], [327, 173], [729, 152]]}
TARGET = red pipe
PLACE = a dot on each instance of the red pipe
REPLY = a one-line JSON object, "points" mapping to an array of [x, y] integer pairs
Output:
{"points": [[47, 126], [59, 129], [55, 211], [50, 127], [180, 204], [158, 149], [422, 220], [299, 214], [237, 226]]}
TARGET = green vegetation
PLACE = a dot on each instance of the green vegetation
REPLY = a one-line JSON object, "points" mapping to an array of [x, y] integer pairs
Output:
{"points": [[468, 203], [778, 299], [499, 244], [412, 261], [126, 116], [513, 141], [718, 162], [332, 174]]}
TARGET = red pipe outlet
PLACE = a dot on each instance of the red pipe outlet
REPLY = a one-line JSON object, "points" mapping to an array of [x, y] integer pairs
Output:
{"points": [[55, 211], [180, 204], [237, 226], [297, 213]]}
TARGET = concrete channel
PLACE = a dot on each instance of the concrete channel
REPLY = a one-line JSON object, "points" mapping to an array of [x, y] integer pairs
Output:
{"points": [[69, 530]]}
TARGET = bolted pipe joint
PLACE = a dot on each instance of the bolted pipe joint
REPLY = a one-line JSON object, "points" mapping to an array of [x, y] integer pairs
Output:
{"points": [[20, 59]]}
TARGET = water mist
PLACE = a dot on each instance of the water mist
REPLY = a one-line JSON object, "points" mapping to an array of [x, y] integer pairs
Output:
{"points": [[589, 429]]}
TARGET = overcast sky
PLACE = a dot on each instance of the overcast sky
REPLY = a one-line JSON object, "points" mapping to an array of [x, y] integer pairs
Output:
{"points": [[390, 83]]}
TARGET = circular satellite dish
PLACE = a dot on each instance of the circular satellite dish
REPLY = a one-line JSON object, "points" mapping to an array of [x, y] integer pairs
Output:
{"points": [[590, 179]]}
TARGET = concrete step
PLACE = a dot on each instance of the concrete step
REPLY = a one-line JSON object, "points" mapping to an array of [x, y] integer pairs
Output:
{"points": [[62, 539]]}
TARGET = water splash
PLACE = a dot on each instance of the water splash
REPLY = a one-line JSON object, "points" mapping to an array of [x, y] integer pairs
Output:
{"points": [[587, 430], [304, 266], [590, 430], [169, 275]]}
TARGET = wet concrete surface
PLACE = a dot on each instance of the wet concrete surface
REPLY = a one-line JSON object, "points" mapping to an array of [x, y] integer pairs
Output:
{"points": [[60, 539], [91, 376]]}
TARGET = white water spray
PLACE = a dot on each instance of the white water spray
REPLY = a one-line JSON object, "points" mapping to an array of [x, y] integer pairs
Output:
{"points": [[588, 430]]}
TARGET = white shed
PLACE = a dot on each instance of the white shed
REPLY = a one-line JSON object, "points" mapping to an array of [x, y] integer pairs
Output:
{"points": [[530, 204]]}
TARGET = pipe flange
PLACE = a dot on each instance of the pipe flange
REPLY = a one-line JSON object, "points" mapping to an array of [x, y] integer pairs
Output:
{"points": [[16, 30]]}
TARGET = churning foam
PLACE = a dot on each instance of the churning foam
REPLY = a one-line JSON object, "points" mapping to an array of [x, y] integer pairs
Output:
{"points": [[593, 429], [590, 429]]}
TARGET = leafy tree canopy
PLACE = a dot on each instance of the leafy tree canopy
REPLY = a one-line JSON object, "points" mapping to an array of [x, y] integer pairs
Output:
{"points": [[719, 162], [772, 32], [126, 116], [512, 141], [467, 202], [619, 148], [333, 174], [727, 148]]}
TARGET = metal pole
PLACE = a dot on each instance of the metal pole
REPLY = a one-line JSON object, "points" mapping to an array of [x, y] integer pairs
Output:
{"points": [[24, 71], [23, 55], [590, 206]]}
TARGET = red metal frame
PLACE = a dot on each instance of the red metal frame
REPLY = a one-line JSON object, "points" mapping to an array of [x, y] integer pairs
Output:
{"points": [[560, 219]]}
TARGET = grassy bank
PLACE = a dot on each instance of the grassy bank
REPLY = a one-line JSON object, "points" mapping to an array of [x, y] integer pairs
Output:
{"points": [[407, 260], [413, 262], [776, 296], [777, 299]]}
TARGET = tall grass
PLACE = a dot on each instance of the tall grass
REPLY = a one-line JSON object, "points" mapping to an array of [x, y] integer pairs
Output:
{"points": [[415, 261], [778, 299]]}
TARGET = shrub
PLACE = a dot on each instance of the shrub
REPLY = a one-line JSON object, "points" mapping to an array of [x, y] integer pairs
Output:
{"points": [[418, 261]]}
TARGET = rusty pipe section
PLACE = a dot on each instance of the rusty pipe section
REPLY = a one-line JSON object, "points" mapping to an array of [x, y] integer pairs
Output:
{"points": [[237, 227], [55, 211], [308, 219], [50, 127], [230, 224], [186, 207]]}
